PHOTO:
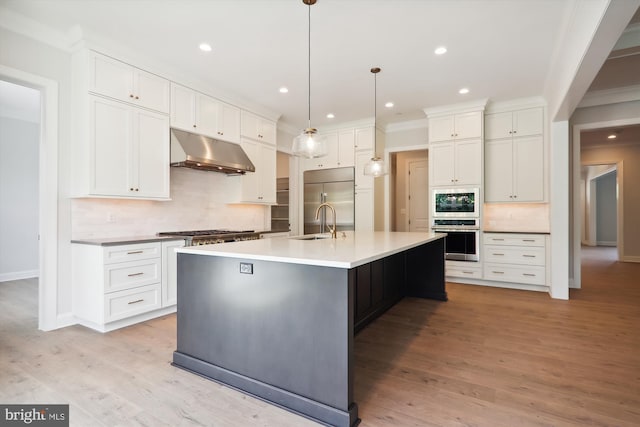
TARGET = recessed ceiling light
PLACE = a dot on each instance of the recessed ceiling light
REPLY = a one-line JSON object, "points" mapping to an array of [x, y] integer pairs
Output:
{"points": [[440, 50], [612, 136], [389, 104], [463, 91], [205, 47], [330, 116], [283, 90]]}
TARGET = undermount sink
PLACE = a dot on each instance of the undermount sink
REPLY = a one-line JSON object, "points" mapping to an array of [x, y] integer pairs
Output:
{"points": [[311, 237]]}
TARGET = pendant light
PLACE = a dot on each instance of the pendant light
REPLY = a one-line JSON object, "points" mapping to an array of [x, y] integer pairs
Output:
{"points": [[376, 166], [309, 144]]}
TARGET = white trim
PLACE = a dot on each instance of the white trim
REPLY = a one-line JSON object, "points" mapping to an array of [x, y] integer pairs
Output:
{"points": [[387, 179], [48, 199], [606, 243], [408, 125], [19, 275], [630, 37], [631, 259], [465, 107], [559, 206], [577, 220], [610, 96], [515, 104], [496, 284]]}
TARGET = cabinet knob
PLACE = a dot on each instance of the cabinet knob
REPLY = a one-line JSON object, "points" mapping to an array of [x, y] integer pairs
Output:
{"points": [[137, 189], [515, 197], [131, 189], [137, 97], [130, 95], [515, 131], [194, 125]]}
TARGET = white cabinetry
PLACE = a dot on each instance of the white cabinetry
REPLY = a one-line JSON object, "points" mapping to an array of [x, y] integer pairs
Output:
{"points": [[127, 152], [364, 138], [116, 286], [170, 272], [455, 126], [514, 156], [255, 127], [455, 163], [517, 258], [364, 214], [115, 79], [196, 112], [259, 186], [341, 151]]}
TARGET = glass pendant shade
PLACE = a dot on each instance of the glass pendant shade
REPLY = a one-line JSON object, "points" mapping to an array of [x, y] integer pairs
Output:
{"points": [[376, 167], [309, 144]]}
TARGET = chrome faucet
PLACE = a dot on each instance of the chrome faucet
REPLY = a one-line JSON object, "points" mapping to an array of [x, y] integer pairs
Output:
{"points": [[332, 230]]}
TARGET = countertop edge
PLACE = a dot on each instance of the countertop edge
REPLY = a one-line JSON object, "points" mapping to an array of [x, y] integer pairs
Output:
{"points": [[115, 241]]}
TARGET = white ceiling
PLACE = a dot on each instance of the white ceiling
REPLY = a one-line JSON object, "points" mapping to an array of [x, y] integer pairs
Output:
{"points": [[499, 49]]}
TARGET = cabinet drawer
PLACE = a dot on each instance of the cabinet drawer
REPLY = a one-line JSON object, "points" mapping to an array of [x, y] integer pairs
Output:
{"points": [[458, 271], [132, 252], [534, 255], [130, 302], [513, 239], [533, 275], [126, 275]]}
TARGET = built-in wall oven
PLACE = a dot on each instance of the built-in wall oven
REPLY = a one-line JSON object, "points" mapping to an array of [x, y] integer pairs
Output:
{"points": [[457, 213]]}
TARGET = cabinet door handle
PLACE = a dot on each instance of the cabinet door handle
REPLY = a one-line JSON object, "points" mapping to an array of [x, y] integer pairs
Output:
{"points": [[498, 254], [497, 240], [135, 274], [136, 301], [498, 272], [134, 252], [468, 272], [528, 240], [529, 274], [529, 256]]}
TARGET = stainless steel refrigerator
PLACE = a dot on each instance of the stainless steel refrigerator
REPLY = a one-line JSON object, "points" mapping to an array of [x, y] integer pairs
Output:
{"points": [[333, 186]]}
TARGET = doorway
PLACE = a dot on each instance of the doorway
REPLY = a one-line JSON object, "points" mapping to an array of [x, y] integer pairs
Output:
{"points": [[409, 195], [47, 194]]}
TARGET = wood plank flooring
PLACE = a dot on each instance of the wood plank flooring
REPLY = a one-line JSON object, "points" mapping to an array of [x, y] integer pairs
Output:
{"points": [[486, 357]]}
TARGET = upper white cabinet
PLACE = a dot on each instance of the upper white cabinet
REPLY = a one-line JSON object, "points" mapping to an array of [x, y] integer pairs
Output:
{"points": [[455, 163], [259, 186], [258, 128], [126, 83], [341, 151], [514, 123], [514, 156], [364, 138], [128, 151], [455, 126], [196, 112]]}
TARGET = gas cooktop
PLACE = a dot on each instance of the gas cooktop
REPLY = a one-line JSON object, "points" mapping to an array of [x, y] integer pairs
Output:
{"points": [[207, 237]]}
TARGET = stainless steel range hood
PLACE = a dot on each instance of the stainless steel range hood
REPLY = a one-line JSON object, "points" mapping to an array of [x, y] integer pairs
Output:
{"points": [[190, 150]]}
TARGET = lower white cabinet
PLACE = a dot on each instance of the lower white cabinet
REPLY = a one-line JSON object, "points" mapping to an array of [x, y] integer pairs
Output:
{"points": [[463, 269], [516, 257], [119, 285]]}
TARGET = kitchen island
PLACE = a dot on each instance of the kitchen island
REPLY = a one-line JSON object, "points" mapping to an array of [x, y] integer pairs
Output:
{"points": [[276, 318]]}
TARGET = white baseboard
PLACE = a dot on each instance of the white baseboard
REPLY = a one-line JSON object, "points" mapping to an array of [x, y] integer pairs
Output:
{"points": [[18, 275], [66, 319], [606, 243], [631, 258]]}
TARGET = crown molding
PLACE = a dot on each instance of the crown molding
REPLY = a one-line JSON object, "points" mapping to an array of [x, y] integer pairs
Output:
{"points": [[407, 125], [515, 104], [464, 107], [32, 29], [610, 96]]}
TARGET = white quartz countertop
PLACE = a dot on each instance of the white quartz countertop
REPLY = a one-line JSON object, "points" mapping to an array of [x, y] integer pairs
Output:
{"points": [[357, 248]]}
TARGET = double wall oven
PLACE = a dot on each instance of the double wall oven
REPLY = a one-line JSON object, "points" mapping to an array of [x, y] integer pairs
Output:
{"points": [[457, 213]]}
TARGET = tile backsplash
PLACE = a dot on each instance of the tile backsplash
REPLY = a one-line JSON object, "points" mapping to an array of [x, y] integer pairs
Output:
{"points": [[199, 200]]}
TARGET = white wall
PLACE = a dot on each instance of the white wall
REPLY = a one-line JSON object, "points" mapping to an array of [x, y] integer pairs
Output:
{"points": [[19, 146]]}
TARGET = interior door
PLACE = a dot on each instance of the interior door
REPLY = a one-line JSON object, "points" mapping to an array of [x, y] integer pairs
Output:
{"points": [[418, 196]]}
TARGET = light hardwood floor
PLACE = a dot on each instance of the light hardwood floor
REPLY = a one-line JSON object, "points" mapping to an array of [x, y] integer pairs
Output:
{"points": [[487, 357]]}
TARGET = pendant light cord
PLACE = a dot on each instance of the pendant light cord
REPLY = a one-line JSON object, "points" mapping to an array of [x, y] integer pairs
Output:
{"points": [[309, 68], [375, 114]]}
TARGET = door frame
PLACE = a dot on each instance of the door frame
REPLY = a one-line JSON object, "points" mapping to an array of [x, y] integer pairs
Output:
{"points": [[48, 192], [576, 164], [387, 178]]}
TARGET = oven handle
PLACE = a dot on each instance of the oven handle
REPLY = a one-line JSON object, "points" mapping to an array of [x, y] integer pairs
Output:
{"points": [[448, 230]]}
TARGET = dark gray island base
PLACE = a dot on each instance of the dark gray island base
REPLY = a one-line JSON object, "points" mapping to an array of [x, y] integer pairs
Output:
{"points": [[285, 332]]}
